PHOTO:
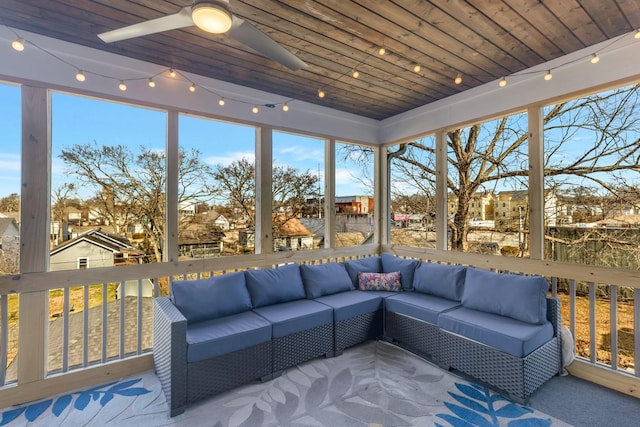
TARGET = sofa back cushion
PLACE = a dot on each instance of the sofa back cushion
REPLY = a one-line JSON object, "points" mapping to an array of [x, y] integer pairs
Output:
{"points": [[441, 280], [406, 267], [325, 279], [371, 264], [207, 299], [275, 285], [519, 297]]}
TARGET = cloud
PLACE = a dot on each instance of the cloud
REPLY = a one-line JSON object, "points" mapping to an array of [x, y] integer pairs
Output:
{"points": [[10, 162], [300, 152], [228, 158]]}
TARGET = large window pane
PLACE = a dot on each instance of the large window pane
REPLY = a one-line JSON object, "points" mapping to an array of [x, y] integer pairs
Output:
{"points": [[298, 187], [216, 188], [488, 200], [353, 194], [108, 209], [10, 159], [592, 154], [412, 171]]}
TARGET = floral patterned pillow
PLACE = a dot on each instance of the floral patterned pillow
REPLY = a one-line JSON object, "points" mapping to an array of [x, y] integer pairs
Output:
{"points": [[379, 281]]}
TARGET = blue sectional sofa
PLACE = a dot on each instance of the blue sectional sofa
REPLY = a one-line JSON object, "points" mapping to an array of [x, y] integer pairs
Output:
{"points": [[214, 334]]}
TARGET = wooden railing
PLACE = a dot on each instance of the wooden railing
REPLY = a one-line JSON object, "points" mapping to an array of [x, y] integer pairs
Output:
{"points": [[90, 345]]}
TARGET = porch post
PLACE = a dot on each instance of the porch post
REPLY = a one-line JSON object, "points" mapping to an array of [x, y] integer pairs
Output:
{"points": [[264, 193], [536, 184], [171, 207], [441, 191], [382, 197], [35, 223], [329, 193]]}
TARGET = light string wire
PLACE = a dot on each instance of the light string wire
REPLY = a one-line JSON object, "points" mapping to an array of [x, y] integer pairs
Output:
{"points": [[194, 86]]}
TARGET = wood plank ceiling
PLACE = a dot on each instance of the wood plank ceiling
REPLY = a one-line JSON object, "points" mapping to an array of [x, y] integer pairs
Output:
{"points": [[482, 40]]}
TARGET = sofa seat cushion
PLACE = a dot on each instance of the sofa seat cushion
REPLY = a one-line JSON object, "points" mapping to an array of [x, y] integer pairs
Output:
{"points": [[420, 306], [509, 335], [226, 334], [347, 305], [275, 285], [325, 279], [295, 316], [211, 298]]}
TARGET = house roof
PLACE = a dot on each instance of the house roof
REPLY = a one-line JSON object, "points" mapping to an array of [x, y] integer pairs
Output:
{"points": [[482, 41], [107, 241], [5, 223]]}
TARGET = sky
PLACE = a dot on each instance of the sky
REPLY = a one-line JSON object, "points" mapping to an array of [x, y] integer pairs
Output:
{"points": [[80, 120]]}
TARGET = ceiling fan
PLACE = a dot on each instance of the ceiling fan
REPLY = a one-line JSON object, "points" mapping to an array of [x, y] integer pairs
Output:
{"points": [[212, 16]]}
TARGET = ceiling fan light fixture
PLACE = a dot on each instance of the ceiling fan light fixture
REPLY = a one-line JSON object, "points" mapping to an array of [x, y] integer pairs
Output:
{"points": [[212, 17]]}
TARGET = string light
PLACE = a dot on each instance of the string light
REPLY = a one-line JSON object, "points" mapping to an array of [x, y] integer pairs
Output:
{"points": [[18, 44], [255, 109]]}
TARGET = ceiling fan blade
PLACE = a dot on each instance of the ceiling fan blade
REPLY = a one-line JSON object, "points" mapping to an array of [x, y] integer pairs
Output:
{"points": [[249, 35], [170, 22]]}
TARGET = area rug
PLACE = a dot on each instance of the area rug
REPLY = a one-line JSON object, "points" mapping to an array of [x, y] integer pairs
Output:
{"points": [[375, 384]]}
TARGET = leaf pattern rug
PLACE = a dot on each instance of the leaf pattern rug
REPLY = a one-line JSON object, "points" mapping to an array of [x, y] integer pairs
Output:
{"points": [[372, 385]]}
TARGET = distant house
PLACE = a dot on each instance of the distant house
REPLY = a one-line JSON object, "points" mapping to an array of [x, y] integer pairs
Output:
{"points": [[217, 219], [9, 236], [92, 249], [289, 235]]}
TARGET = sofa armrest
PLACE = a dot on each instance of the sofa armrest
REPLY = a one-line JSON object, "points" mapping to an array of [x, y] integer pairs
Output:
{"points": [[553, 314], [170, 352]]}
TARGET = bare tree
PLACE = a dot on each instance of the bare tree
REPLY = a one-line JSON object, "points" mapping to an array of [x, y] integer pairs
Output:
{"points": [[60, 202], [10, 203], [485, 154], [290, 190], [131, 187]]}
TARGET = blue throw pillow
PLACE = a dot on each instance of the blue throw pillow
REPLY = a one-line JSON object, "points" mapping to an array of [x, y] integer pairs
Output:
{"points": [[370, 264], [325, 279], [446, 281], [275, 285], [406, 267], [519, 297], [211, 298]]}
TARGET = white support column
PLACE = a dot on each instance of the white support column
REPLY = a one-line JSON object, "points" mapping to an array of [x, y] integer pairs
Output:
{"points": [[171, 207], [536, 183], [264, 193], [330, 193], [442, 242], [381, 191], [35, 220]]}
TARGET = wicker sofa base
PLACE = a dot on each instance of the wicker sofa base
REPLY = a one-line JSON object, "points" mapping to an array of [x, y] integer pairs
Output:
{"points": [[413, 334], [358, 329], [293, 349], [517, 377], [212, 376]]}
